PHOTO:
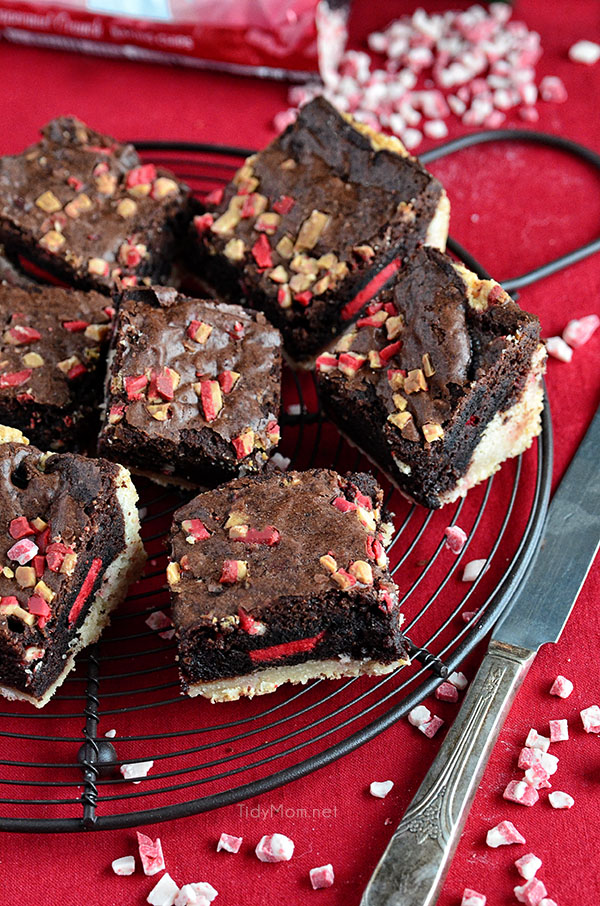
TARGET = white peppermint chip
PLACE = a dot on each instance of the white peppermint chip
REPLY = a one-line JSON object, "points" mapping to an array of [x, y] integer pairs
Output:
{"points": [[136, 769], [419, 715], [275, 848], [111, 734], [473, 569], [558, 799], [536, 741], [459, 680], [280, 462], [163, 893], [558, 349], [435, 129], [380, 789], [528, 866], [411, 138], [585, 52], [124, 866]]}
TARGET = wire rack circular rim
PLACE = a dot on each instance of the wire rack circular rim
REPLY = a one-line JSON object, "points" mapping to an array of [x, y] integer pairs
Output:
{"points": [[492, 607]]}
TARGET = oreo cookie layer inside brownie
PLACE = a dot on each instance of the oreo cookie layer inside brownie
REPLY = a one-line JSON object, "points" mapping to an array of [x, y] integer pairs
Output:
{"points": [[193, 388], [85, 209], [440, 381], [310, 227], [69, 548], [52, 359], [283, 578]]}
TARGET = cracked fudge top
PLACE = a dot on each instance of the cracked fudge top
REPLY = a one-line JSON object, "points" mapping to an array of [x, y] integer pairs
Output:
{"points": [[254, 544], [87, 204]]}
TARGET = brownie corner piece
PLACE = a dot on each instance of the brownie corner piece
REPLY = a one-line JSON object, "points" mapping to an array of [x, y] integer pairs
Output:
{"points": [[311, 226], [85, 209], [440, 381], [70, 546], [283, 578], [53, 344], [193, 389]]}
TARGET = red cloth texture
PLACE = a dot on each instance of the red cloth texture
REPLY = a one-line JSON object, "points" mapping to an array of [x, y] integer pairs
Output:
{"points": [[514, 206]]}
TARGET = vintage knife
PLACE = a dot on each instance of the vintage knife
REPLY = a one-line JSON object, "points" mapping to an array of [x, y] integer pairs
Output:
{"points": [[412, 869]]}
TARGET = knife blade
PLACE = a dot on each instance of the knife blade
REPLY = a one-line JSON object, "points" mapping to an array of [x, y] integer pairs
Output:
{"points": [[541, 607], [413, 867]]}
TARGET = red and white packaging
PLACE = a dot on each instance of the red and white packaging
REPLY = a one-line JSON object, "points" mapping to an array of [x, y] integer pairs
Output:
{"points": [[528, 866], [503, 834], [151, 854], [268, 38], [472, 898], [275, 848], [562, 687], [229, 843], [321, 877]]}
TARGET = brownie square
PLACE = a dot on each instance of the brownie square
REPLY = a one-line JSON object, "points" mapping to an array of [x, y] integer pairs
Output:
{"points": [[69, 547], [193, 388], [440, 381], [84, 208], [52, 362], [311, 226], [283, 578]]}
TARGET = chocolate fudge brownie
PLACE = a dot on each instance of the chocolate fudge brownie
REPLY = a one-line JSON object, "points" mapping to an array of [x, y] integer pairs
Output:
{"points": [[85, 209], [193, 388], [310, 227], [70, 546], [52, 360], [283, 578], [440, 381]]}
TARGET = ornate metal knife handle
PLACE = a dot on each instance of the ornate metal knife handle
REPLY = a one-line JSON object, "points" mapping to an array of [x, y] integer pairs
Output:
{"points": [[412, 869]]}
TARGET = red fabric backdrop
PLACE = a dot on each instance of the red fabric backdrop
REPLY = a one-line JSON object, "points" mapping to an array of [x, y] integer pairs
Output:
{"points": [[513, 207]]}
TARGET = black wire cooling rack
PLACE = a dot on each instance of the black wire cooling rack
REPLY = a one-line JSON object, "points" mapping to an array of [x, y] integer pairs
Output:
{"points": [[205, 756]]}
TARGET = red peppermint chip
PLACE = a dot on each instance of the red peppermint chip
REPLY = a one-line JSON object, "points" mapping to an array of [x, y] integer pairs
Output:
{"points": [[134, 384], [261, 252], [141, 175], [322, 877], [284, 204], [151, 854], [21, 335], [520, 792], [37, 605], [14, 378], [229, 843], [455, 538], [343, 505], [20, 528], [203, 222], [215, 196], [75, 326]]}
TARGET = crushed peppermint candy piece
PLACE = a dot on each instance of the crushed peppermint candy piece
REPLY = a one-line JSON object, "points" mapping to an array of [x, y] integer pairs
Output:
{"points": [[552, 89], [159, 620], [561, 687], [474, 569], [124, 866], [559, 799], [528, 758], [503, 834], [229, 843], [528, 866], [472, 898], [275, 848], [536, 741], [455, 538], [531, 893], [558, 349], [585, 52], [578, 332], [111, 734], [547, 902], [164, 892], [431, 727], [537, 777], [380, 789], [151, 854], [520, 792], [136, 769], [459, 680], [590, 718], [199, 894], [559, 730], [447, 692], [419, 715], [322, 877]]}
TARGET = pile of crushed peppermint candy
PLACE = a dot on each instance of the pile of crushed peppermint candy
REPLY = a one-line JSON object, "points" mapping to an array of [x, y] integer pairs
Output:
{"points": [[474, 64]]}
